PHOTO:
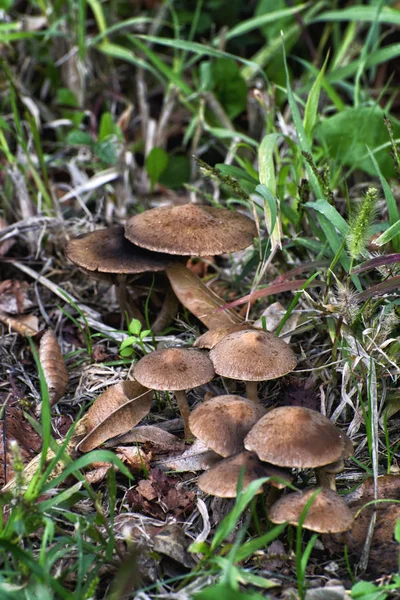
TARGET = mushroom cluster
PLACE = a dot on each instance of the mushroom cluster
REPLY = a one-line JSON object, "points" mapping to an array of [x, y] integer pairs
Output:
{"points": [[271, 445]]}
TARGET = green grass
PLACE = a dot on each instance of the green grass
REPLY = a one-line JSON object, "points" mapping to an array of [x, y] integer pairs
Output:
{"points": [[269, 107]]}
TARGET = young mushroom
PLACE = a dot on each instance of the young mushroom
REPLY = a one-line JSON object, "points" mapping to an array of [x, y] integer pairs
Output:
{"points": [[176, 370], [327, 514], [252, 356], [222, 479], [223, 422]]}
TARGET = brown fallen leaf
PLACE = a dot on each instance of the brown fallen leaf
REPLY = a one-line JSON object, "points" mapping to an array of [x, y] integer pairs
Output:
{"points": [[199, 299], [13, 296], [115, 412], [159, 438], [383, 556], [135, 459], [169, 499], [26, 325], [14, 426], [53, 365], [196, 458], [32, 467]]}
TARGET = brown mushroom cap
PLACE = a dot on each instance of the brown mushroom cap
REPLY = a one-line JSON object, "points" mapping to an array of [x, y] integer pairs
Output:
{"points": [[223, 422], [191, 229], [108, 251], [174, 369], [327, 514], [210, 338], [252, 356], [222, 479], [297, 437]]}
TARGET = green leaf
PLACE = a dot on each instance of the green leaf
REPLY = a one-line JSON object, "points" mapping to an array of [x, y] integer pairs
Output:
{"points": [[364, 590], [346, 136], [222, 76], [311, 110], [178, 172], [106, 126], [79, 138], [388, 235], [106, 150], [391, 203], [330, 212], [391, 16], [262, 19], [397, 531], [270, 209], [135, 327], [126, 352], [223, 590], [132, 339], [156, 163]]}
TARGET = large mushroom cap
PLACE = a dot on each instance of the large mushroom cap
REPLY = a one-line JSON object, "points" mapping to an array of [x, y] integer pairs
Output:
{"points": [[297, 437], [191, 229], [223, 422], [210, 338], [327, 514], [174, 369], [252, 356], [108, 251], [222, 479]]}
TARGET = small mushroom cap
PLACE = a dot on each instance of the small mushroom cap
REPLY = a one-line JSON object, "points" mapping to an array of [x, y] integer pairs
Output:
{"points": [[327, 514], [252, 356], [191, 229], [222, 479], [210, 338], [223, 422], [108, 251], [174, 369], [296, 437]]}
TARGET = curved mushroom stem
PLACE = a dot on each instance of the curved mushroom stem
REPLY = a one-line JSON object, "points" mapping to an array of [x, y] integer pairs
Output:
{"points": [[326, 475], [126, 304], [252, 391], [167, 313], [184, 409]]}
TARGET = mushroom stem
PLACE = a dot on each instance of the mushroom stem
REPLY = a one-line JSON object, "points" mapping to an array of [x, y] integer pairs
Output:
{"points": [[325, 479], [167, 313], [184, 409], [252, 391], [126, 304]]}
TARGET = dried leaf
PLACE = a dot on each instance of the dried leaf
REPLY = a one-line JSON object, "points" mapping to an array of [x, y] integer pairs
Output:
{"points": [[136, 460], [161, 439], [170, 498], [274, 314], [385, 287], [271, 290], [13, 296], [377, 261], [196, 458], [201, 301], [171, 542], [115, 412], [26, 325], [32, 467], [53, 365]]}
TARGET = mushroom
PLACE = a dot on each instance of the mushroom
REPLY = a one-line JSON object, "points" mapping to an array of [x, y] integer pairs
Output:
{"points": [[175, 369], [191, 230], [108, 253], [297, 437], [252, 356], [327, 514], [223, 422], [222, 479]]}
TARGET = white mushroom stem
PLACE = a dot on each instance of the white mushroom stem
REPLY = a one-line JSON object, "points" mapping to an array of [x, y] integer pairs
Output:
{"points": [[184, 409], [252, 390]]}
